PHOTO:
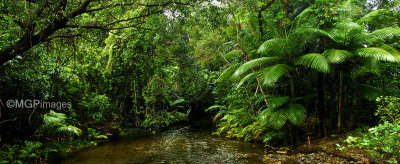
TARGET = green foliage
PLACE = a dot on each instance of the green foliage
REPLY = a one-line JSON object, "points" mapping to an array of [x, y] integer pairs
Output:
{"points": [[382, 141], [164, 119], [388, 108], [55, 125]]}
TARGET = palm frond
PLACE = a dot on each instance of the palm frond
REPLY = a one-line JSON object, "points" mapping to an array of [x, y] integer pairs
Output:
{"points": [[337, 56], [383, 34], [273, 46], [278, 119], [228, 72], [310, 31], [304, 16], [391, 50], [315, 61], [296, 113], [214, 107], [272, 74], [253, 64], [377, 53], [232, 54], [247, 77], [371, 16], [276, 102]]}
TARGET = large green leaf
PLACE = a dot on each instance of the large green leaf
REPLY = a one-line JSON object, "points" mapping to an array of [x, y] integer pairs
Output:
{"points": [[377, 53], [276, 46], [296, 113], [383, 34], [391, 50], [228, 72], [371, 16], [310, 31], [272, 74], [247, 77], [315, 61], [278, 119], [70, 130], [276, 102], [337, 56], [253, 64]]}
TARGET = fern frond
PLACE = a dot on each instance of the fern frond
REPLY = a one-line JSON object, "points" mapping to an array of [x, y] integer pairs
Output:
{"points": [[69, 130], [315, 61]]}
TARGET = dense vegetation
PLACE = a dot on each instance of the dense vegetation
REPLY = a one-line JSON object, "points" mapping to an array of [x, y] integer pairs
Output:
{"points": [[274, 71]]}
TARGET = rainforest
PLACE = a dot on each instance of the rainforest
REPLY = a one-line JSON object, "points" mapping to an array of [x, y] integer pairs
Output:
{"points": [[199, 81]]}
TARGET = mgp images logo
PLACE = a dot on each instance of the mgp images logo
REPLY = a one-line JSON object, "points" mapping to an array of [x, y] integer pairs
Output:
{"points": [[31, 104]]}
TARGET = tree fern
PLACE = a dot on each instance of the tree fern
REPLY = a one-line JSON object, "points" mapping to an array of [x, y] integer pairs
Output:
{"points": [[315, 61]]}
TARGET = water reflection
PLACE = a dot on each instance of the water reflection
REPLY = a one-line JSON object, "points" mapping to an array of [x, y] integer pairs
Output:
{"points": [[185, 144]]}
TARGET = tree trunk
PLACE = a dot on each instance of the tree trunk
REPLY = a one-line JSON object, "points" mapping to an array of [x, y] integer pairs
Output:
{"points": [[340, 110], [321, 104], [292, 94]]}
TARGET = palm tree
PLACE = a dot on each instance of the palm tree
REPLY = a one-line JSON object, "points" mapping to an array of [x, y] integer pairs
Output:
{"points": [[352, 40]]}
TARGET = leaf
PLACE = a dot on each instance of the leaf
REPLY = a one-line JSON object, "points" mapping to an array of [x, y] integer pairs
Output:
{"points": [[337, 56], [276, 46], [272, 74], [70, 129], [383, 34], [276, 102], [278, 119], [247, 77], [391, 50], [377, 53], [232, 54], [254, 63], [228, 72], [177, 101], [371, 16], [214, 107], [296, 113], [315, 61], [310, 31]]}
